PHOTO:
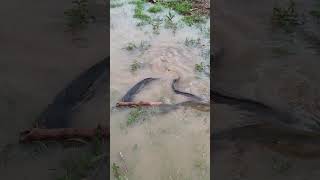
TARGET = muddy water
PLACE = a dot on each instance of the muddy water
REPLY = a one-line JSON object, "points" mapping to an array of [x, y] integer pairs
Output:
{"points": [[267, 65], [38, 59], [173, 145]]}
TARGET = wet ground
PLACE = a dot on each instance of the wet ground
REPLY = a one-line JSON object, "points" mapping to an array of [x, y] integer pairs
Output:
{"points": [[38, 59], [146, 144], [272, 66]]}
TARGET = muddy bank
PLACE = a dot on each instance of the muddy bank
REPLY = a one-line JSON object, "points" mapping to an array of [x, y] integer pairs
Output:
{"points": [[38, 59], [266, 64]]}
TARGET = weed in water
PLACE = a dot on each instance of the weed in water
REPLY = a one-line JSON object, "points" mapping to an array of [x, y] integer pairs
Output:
{"points": [[115, 4], [170, 16], [135, 66], [117, 173], [138, 11], [156, 27], [286, 17], [142, 23], [135, 115], [181, 6], [78, 16], [200, 67], [193, 19], [155, 9], [130, 46], [169, 23], [191, 42]]}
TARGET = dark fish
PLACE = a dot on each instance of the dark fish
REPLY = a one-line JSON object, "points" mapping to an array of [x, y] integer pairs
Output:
{"points": [[78, 90], [136, 89], [173, 86]]}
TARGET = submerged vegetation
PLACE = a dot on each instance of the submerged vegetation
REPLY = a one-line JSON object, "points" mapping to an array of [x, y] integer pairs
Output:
{"points": [[193, 19], [155, 9], [135, 115], [182, 7], [135, 66], [190, 42], [200, 67], [117, 172], [139, 11]]}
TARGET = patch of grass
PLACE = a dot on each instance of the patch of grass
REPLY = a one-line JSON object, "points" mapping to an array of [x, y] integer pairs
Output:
{"points": [[135, 66], [156, 27], [155, 9], [78, 16], [200, 67], [169, 23], [116, 4], [180, 6], [117, 173], [135, 115], [286, 17], [193, 19], [130, 46], [191, 42], [138, 11]]}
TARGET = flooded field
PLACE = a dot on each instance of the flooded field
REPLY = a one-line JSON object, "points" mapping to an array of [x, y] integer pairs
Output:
{"points": [[147, 143]]}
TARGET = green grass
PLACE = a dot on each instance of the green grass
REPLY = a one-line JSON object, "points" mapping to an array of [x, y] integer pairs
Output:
{"points": [[155, 9], [135, 66], [193, 19], [78, 16], [200, 67], [130, 46], [139, 11], [117, 173], [180, 6], [156, 27], [135, 115], [116, 4], [169, 23]]}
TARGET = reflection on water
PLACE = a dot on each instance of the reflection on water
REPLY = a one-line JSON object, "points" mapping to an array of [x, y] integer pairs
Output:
{"points": [[174, 145]]}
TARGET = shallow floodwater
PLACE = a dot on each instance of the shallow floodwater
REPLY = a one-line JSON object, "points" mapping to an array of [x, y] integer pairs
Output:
{"points": [[172, 145]]}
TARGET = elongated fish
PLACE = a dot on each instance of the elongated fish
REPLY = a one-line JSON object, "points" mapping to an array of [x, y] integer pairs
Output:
{"points": [[56, 114]]}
